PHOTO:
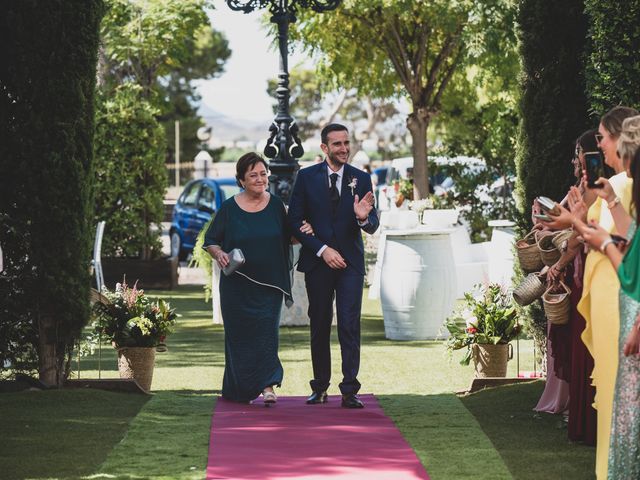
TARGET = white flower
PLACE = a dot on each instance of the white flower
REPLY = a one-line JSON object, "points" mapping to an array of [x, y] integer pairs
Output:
{"points": [[471, 321], [421, 205], [352, 185]]}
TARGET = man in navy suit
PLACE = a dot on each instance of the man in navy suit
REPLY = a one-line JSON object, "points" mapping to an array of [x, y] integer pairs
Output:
{"points": [[337, 200]]}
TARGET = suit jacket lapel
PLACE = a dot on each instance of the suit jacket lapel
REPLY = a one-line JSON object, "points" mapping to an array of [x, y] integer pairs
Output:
{"points": [[346, 199], [322, 180]]}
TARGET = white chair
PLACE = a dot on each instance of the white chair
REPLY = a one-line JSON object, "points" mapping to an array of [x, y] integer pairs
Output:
{"points": [[96, 262]]}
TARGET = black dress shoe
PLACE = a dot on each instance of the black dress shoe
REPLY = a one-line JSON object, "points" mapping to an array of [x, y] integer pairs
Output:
{"points": [[317, 397], [351, 400]]}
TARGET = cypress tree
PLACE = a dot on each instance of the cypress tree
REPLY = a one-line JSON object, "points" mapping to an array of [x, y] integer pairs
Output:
{"points": [[553, 105], [613, 67], [553, 110], [47, 82]]}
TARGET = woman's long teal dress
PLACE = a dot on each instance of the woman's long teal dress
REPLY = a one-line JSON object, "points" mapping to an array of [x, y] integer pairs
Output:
{"points": [[624, 448], [251, 310]]}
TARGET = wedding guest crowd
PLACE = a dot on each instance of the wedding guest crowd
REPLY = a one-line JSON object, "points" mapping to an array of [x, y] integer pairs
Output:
{"points": [[598, 350]]}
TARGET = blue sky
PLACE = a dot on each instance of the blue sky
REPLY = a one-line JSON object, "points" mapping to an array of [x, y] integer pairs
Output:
{"points": [[240, 92]]}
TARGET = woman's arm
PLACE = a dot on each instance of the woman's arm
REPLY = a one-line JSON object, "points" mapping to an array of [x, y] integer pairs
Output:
{"points": [[600, 239], [620, 217]]}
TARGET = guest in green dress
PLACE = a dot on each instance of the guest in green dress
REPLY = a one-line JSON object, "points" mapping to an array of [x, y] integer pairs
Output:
{"points": [[624, 448], [251, 298]]}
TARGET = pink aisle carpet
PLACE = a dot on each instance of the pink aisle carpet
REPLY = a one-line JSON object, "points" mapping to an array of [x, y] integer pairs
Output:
{"points": [[292, 440]]}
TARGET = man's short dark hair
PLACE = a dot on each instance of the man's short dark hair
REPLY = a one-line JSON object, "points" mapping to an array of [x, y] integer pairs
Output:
{"points": [[332, 127]]}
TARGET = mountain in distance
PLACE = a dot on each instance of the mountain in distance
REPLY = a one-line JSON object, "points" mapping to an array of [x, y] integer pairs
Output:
{"points": [[228, 129]]}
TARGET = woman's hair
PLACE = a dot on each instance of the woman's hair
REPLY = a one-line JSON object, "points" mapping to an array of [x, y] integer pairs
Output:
{"points": [[612, 120], [635, 175], [245, 163], [587, 141], [629, 139]]}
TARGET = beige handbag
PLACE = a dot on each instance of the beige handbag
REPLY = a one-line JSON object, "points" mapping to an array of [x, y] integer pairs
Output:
{"points": [[549, 253], [528, 253], [531, 288], [561, 238], [557, 305]]}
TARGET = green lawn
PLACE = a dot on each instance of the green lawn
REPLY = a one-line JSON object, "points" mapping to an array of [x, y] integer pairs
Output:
{"points": [[493, 434]]}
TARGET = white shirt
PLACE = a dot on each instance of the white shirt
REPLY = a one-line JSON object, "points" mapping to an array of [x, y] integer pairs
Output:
{"points": [[339, 181]]}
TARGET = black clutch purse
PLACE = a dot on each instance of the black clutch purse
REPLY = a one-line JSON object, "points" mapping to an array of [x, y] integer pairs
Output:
{"points": [[236, 260]]}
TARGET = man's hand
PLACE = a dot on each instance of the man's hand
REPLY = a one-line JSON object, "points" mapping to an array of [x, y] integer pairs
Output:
{"points": [[362, 207], [333, 259]]}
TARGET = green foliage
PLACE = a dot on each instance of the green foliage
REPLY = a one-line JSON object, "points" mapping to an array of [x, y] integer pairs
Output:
{"points": [[201, 259], [612, 66], [404, 48], [478, 204], [47, 81], [128, 318], [553, 104], [130, 174], [162, 45], [489, 316]]}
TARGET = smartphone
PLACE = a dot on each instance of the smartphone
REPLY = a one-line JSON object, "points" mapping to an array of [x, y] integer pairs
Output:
{"points": [[548, 205], [543, 217], [595, 168]]}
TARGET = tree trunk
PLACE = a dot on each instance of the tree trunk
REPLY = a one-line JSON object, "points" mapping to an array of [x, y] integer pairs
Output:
{"points": [[49, 361], [417, 124]]}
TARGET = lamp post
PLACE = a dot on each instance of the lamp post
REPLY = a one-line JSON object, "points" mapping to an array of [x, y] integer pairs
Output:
{"points": [[283, 148]]}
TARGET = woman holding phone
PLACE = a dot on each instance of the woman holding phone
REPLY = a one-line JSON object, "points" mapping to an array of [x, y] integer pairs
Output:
{"points": [[600, 282]]}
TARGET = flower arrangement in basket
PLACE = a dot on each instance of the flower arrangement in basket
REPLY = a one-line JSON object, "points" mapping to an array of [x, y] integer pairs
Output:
{"points": [[128, 318], [488, 316]]}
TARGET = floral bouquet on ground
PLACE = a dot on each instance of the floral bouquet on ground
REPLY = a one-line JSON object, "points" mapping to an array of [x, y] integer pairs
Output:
{"points": [[129, 318], [487, 316]]}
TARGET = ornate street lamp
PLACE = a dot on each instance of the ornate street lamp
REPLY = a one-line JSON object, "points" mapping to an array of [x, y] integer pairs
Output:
{"points": [[283, 148]]}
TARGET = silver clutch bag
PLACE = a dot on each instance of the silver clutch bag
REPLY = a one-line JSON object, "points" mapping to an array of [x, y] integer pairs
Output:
{"points": [[236, 260]]}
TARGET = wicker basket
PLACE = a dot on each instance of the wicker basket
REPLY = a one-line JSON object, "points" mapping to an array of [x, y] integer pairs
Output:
{"points": [[491, 360], [557, 304], [561, 237], [548, 251], [528, 253], [137, 363], [531, 288]]}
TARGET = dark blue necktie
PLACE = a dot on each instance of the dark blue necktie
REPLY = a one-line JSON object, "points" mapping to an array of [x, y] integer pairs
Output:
{"points": [[334, 195]]}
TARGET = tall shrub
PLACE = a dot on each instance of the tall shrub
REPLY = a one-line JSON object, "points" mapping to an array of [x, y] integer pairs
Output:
{"points": [[47, 79], [553, 105], [613, 69], [553, 108], [129, 173]]}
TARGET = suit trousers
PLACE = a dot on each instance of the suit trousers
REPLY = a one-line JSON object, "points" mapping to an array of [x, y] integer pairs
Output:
{"points": [[346, 286]]}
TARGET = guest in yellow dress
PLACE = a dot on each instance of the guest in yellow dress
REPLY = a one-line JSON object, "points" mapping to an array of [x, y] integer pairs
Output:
{"points": [[599, 305], [599, 302]]}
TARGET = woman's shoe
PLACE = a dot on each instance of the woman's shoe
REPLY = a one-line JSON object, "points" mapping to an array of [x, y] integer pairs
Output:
{"points": [[269, 398]]}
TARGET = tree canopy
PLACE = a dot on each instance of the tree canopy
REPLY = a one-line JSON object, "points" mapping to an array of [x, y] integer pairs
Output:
{"points": [[405, 48]]}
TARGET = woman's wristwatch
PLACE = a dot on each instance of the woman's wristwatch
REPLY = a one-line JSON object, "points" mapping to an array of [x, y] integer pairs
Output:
{"points": [[605, 244]]}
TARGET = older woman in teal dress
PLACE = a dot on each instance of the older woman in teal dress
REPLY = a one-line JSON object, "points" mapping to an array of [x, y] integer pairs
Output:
{"points": [[251, 298]]}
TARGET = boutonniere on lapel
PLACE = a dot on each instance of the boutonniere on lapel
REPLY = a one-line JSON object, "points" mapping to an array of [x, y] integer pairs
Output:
{"points": [[352, 184]]}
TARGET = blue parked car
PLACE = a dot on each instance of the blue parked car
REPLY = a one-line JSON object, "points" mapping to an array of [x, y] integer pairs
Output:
{"points": [[199, 200]]}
